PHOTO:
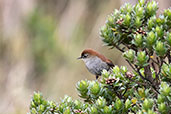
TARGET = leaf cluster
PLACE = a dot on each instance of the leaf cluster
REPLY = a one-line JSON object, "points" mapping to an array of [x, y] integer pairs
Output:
{"points": [[117, 92]]}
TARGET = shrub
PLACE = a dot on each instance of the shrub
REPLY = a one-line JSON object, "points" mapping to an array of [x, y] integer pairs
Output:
{"points": [[145, 41]]}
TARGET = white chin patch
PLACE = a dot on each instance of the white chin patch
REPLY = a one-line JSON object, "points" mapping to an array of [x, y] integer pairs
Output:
{"points": [[85, 60]]}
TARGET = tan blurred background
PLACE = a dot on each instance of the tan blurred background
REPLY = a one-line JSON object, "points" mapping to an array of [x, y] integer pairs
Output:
{"points": [[40, 41]]}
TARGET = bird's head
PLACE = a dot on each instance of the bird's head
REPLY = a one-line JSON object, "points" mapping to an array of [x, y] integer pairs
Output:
{"points": [[88, 54]]}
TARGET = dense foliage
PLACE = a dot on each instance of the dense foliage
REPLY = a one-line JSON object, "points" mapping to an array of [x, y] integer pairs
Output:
{"points": [[145, 41]]}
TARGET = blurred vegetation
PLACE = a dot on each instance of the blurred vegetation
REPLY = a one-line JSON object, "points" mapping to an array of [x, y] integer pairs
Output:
{"points": [[41, 29], [144, 40]]}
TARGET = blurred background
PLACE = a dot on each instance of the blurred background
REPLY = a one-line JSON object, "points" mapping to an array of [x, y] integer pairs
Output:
{"points": [[40, 41]]}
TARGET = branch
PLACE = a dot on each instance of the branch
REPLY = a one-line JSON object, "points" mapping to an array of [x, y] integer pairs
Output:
{"points": [[154, 61], [137, 70], [148, 81], [139, 83], [155, 70], [131, 66], [125, 91], [169, 57], [119, 49], [160, 66], [117, 94]]}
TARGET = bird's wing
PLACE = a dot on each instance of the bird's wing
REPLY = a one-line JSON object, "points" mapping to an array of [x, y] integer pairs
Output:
{"points": [[109, 62]]}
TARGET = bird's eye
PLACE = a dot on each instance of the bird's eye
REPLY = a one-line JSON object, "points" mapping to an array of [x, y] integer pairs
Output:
{"points": [[85, 55]]}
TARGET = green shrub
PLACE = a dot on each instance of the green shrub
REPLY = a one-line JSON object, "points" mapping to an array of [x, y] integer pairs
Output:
{"points": [[145, 41]]}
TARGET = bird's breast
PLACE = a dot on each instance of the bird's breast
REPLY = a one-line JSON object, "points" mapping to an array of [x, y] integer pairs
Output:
{"points": [[95, 65]]}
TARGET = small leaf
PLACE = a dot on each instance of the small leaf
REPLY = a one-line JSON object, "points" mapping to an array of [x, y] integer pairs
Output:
{"points": [[129, 55], [160, 48], [142, 59], [134, 100]]}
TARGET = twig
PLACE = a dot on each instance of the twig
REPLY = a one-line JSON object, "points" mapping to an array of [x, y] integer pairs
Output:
{"points": [[157, 59], [125, 91], [154, 61], [119, 49], [152, 64], [117, 94], [131, 65], [139, 83], [166, 62], [160, 66], [169, 57], [148, 81], [137, 70]]}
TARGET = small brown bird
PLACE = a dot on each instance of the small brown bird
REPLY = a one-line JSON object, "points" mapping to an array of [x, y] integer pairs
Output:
{"points": [[95, 62]]}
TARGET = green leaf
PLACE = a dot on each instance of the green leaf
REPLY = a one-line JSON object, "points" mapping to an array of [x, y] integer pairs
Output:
{"points": [[118, 104], [150, 39], [151, 22], [138, 40], [142, 59], [67, 111], [159, 31], [151, 112], [165, 89], [141, 2], [151, 8], [139, 11], [147, 104], [129, 55], [94, 88], [127, 104], [141, 92], [107, 109], [138, 22], [93, 110], [127, 19], [82, 85], [160, 48], [160, 99], [100, 102], [105, 73], [162, 108], [168, 39]]}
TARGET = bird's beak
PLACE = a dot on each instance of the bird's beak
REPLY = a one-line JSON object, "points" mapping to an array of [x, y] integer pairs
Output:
{"points": [[79, 58]]}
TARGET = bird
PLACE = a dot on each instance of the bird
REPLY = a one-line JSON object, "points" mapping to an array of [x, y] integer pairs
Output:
{"points": [[95, 62]]}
